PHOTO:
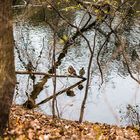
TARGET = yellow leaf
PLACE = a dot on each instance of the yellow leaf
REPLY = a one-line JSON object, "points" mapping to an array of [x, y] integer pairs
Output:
{"points": [[65, 37], [96, 11], [61, 41]]}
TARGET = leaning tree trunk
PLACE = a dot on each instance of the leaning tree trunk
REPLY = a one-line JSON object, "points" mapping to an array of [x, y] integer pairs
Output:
{"points": [[7, 67]]}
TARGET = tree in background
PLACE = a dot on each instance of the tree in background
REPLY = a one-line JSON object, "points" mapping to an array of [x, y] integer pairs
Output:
{"points": [[7, 67]]}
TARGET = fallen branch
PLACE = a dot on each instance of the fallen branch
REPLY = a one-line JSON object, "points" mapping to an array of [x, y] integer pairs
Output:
{"points": [[59, 93]]}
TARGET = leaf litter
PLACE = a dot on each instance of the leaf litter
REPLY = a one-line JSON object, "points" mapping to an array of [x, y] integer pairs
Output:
{"points": [[32, 125]]}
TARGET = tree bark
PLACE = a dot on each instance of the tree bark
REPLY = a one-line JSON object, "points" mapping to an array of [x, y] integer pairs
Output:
{"points": [[7, 67]]}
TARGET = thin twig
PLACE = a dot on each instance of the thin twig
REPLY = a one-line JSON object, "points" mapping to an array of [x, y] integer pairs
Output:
{"points": [[50, 75], [54, 78]]}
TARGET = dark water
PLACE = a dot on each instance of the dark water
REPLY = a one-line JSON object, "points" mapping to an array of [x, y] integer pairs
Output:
{"points": [[104, 102]]}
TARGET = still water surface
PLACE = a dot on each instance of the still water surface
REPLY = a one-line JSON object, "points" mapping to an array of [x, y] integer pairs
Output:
{"points": [[103, 103]]}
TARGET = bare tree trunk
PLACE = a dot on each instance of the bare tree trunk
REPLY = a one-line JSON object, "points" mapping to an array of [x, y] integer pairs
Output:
{"points": [[7, 67]]}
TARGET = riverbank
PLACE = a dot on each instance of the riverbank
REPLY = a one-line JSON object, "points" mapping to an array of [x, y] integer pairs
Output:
{"points": [[32, 125]]}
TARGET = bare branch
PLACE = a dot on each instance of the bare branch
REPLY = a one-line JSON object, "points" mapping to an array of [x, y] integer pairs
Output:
{"points": [[87, 83]]}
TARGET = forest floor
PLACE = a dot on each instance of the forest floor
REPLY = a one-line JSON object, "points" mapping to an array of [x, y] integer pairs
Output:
{"points": [[32, 125]]}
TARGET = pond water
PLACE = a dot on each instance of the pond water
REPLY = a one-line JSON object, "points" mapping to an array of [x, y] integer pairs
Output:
{"points": [[103, 103]]}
